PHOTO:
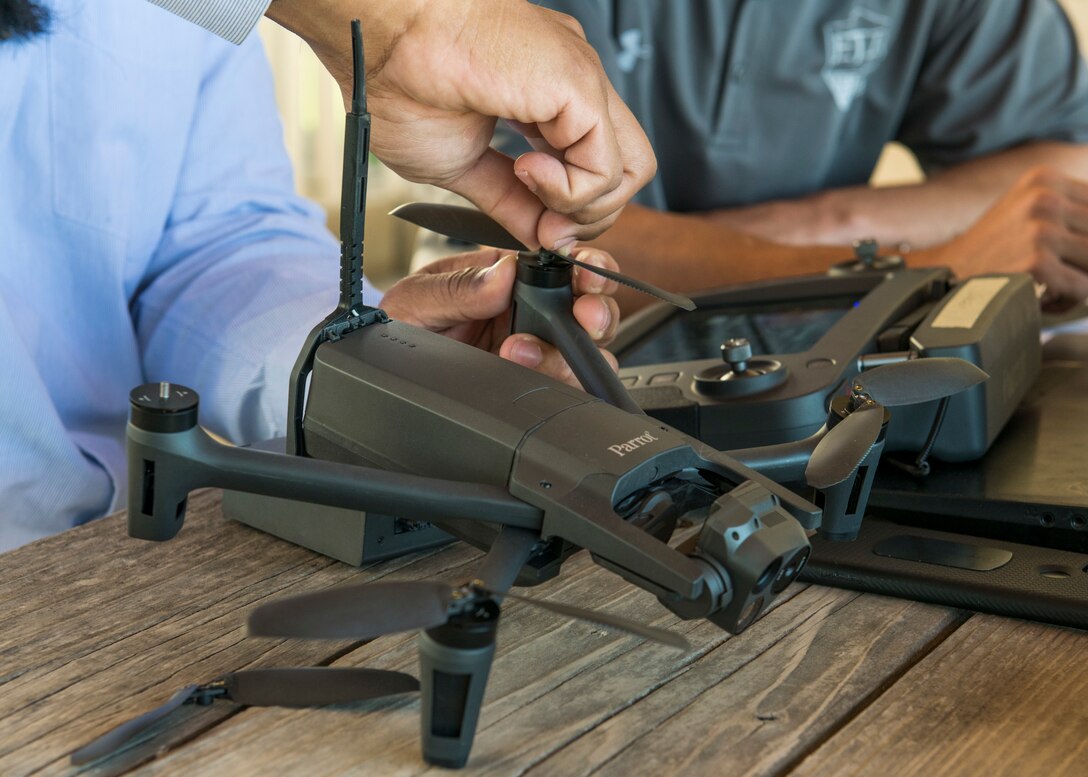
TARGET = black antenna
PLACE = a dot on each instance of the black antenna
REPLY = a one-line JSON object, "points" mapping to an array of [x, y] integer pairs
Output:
{"points": [[353, 191], [350, 314]]}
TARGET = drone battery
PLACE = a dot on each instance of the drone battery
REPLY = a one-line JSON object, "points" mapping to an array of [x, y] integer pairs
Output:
{"points": [[352, 536], [991, 321]]}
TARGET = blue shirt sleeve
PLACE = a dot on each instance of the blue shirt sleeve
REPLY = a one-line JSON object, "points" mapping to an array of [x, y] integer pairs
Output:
{"points": [[245, 267]]}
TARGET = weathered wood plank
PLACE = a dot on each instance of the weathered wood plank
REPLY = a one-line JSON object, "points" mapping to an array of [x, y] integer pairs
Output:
{"points": [[84, 651], [544, 665], [90, 641], [758, 715], [999, 697]]}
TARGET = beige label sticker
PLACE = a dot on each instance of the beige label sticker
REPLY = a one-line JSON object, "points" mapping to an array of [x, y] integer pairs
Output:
{"points": [[967, 304]]}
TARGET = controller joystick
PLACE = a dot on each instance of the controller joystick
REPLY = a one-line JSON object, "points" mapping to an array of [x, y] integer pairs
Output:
{"points": [[740, 374], [867, 258]]}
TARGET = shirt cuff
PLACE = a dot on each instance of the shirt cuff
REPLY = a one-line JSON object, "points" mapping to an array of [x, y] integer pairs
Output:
{"points": [[230, 19]]}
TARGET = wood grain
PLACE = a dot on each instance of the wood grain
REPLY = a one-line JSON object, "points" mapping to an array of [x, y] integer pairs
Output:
{"points": [[97, 628], [998, 697], [758, 711], [89, 642]]}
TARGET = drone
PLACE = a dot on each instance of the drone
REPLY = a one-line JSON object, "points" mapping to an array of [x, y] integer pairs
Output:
{"points": [[388, 417]]}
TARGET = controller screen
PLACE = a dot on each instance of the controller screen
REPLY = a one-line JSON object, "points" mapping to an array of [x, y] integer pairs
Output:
{"points": [[771, 329]]}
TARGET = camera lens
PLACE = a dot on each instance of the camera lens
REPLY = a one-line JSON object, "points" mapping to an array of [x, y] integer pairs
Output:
{"points": [[767, 576], [750, 613], [791, 570]]}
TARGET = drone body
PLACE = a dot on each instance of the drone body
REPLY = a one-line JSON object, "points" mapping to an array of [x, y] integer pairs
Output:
{"points": [[503, 457], [412, 401]]}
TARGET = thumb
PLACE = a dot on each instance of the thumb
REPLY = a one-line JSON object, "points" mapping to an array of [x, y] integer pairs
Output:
{"points": [[437, 301]]}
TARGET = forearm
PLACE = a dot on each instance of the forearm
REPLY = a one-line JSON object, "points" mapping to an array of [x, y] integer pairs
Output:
{"points": [[689, 252], [922, 214]]}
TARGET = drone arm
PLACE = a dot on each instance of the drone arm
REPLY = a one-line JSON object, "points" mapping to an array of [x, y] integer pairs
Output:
{"points": [[508, 554], [784, 462], [547, 313], [165, 466]]}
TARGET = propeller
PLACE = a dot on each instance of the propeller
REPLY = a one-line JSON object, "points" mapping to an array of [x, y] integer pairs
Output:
{"points": [[915, 381], [909, 382], [355, 612], [372, 609], [303, 687], [845, 445], [469, 225]]}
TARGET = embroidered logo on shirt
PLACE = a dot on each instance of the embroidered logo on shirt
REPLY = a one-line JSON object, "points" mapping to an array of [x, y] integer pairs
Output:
{"points": [[632, 49], [853, 47]]}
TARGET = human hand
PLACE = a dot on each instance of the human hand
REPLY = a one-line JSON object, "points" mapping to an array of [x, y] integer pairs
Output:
{"points": [[440, 72], [467, 297], [1040, 226]]}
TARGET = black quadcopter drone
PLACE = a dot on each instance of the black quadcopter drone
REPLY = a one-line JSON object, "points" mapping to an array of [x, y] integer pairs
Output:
{"points": [[392, 418]]}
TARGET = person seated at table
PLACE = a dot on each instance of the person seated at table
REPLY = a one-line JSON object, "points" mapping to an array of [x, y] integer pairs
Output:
{"points": [[768, 118], [150, 232]]}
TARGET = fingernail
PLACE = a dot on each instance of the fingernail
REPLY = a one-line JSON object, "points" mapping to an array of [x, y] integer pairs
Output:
{"points": [[526, 353], [589, 281], [489, 274], [527, 179], [565, 246], [606, 320]]}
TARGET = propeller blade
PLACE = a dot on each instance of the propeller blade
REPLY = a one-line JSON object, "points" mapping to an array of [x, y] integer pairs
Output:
{"points": [[664, 636], [355, 612], [918, 380], [839, 453], [474, 226], [303, 687], [646, 288], [314, 686], [465, 224], [116, 737]]}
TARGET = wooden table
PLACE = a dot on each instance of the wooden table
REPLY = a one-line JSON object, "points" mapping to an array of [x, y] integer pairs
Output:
{"points": [[97, 627]]}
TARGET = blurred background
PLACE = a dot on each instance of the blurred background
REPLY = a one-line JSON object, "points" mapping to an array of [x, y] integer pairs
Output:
{"points": [[313, 116]]}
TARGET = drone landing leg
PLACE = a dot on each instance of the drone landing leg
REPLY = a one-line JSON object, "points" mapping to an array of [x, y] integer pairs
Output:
{"points": [[455, 658], [454, 662], [844, 504]]}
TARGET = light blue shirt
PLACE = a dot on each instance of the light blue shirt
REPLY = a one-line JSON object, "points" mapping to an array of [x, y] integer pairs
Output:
{"points": [[149, 231]]}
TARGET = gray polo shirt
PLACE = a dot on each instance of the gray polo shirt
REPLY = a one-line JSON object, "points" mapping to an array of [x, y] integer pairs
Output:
{"points": [[750, 100]]}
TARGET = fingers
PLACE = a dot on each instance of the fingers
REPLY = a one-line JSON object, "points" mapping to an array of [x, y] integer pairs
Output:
{"points": [[585, 171], [439, 300], [1043, 178], [588, 282], [596, 311], [584, 181], [599, 316], [1063, 281], [447, 73], [485, 257], [1071, 246], [490, 185], [531, 352]]}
